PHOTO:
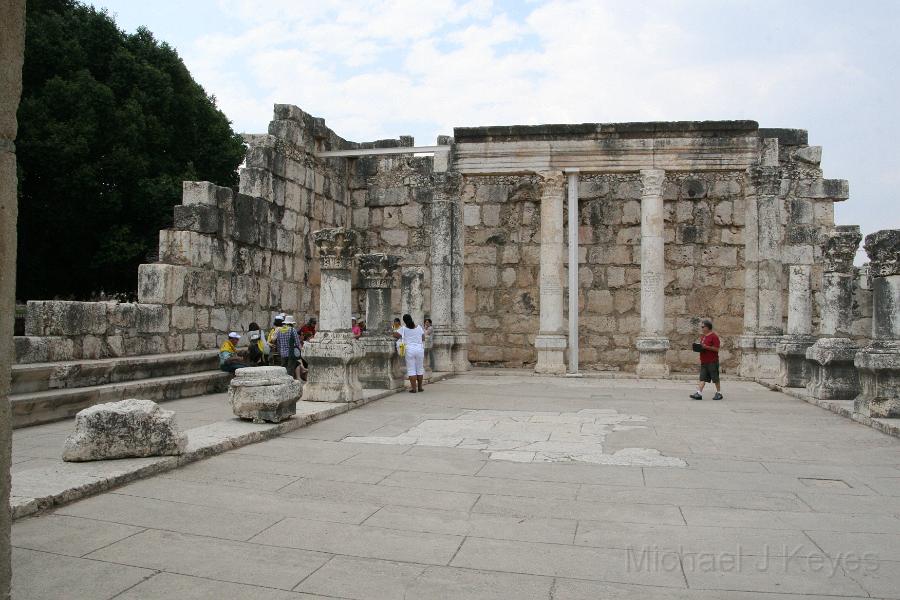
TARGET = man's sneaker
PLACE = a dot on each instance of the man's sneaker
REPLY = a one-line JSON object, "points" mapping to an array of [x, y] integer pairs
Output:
{"points": [[696, 396], [718, 396]]}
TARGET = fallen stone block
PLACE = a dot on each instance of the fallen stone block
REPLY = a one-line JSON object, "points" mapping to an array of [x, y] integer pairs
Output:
{"points": [[264, 394], [124, 429]]}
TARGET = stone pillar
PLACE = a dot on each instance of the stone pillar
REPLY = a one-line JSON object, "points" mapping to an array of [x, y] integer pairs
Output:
{"points": [[381, 367], [12, 48], [445, 186], [334, 354], [460, 352], [551, 339], [652, 342], [879, 362], [412, 293], [572, 189], [832, 375], [793, 346], [412, 302], [763, 305]]}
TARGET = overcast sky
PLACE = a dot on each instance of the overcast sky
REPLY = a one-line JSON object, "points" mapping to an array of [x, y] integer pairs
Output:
{"points": [[379, 69]]}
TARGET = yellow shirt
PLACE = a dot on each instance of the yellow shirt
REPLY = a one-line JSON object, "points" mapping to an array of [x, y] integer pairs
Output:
{"points": [[228, 346]]}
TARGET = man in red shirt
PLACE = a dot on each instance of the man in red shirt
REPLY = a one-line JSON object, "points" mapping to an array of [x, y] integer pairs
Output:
{"points": [[709, 360]]}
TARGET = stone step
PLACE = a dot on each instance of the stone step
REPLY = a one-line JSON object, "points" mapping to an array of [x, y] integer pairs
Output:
{"points": [[34, 408], [39, 377]]}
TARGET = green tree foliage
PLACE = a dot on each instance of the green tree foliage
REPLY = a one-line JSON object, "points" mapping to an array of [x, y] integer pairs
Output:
{"points": [[110, 124]]}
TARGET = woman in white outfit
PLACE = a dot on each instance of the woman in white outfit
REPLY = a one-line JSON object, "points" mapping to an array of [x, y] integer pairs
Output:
{"points": [[413, 337]]}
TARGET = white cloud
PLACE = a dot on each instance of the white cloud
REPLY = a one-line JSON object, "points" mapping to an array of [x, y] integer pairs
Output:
{"points": [[388, 67]]}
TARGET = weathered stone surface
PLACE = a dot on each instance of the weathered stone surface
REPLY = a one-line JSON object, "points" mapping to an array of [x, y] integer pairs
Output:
{"points": [[839, 248], [832, 375], [334, 359], [264, 394], [883, 248], [127, 428]]}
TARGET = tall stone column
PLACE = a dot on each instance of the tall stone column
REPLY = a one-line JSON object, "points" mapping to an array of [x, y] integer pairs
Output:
{"points": [[793, 346], [12, 48], [446, 186], [832, 375], [380, 368], [879, 362], [764, 309], [334, 354], [412, 302], [460, 352], [652, 342], [551, 339]]}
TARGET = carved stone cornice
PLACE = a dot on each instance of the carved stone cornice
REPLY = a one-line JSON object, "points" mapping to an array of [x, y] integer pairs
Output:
{"points": [[377, 270], [337, 247], [883, 248], [839, 247]]}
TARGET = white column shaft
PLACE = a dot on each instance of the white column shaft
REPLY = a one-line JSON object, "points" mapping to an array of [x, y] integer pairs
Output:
{"points": [[551, 315], [334, 300], [799, 301], [653, 262], [573, 272]]}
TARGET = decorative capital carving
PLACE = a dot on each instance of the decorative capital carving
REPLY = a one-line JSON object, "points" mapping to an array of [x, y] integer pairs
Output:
{"points": [[840, 247], [337, 247], [377, 270], [883, 248], [552, 182], [652, 182]]}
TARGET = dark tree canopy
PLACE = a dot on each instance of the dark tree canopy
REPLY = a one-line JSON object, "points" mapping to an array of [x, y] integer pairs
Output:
{"points": [[110, 124]]}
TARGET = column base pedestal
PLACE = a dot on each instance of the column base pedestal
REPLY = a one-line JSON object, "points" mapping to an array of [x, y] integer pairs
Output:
{"points": [[442, 351], [759, 358], [334, 359], [652, 360], [794, 370], [460, 353], [878, 365], [832, 374], [381, 367], [550, 354]]}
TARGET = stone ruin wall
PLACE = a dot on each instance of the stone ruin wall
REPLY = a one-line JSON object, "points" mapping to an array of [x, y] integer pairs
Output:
{"points": [[232, 258]]}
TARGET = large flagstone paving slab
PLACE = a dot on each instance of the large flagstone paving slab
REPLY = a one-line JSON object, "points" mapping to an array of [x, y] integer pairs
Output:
{"points": [[314, 515]]}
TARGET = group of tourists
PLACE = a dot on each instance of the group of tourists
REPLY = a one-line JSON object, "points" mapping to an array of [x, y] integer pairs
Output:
{"points": [[282, 345]]}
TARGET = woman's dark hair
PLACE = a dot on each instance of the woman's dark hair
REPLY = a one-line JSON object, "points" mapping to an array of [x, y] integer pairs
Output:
{"points": [[428, 320], [707, 323], [396, 319], [407, 320], [253, 327]]}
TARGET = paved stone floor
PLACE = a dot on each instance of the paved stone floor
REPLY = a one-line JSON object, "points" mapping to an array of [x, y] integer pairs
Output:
{"points": [[502, 487]]}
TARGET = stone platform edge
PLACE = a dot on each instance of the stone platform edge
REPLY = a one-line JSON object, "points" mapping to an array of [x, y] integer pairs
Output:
{"points": [[203, 442], [889, 426]]}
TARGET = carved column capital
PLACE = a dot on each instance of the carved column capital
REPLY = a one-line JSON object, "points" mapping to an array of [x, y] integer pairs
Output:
{"points": [[839, 247], [377, 270], [337, 247], [552, 182], [883, 248], [652, 182]]}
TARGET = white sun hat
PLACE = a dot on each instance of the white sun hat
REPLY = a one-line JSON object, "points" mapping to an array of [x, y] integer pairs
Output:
{"points": [[234, 335], [290, 320]]}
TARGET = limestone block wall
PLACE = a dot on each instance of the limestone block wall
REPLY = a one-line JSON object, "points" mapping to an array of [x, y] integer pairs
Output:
{"points": [[391, 198], [60, 330], [705, 257]]}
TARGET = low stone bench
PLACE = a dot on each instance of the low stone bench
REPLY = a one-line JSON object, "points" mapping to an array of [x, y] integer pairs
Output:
{"points": [[264, 394], [124, 429]]}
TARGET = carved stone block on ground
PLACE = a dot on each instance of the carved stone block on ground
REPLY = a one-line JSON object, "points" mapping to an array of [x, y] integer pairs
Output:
{"points": [[264, 394], [128, 428]]}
